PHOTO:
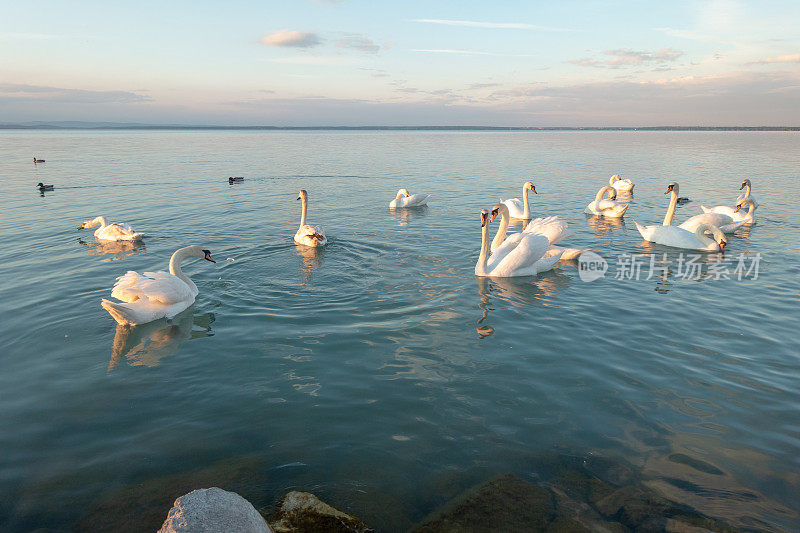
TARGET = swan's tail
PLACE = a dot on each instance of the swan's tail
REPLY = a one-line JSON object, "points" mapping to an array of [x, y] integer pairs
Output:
{"points": [[567, 253], [549, 260], [705, 209], [121, 312], [643, 231]]}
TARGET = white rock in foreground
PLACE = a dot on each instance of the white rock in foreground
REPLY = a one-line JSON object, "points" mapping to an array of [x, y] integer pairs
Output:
{"points": [[213, 511]]}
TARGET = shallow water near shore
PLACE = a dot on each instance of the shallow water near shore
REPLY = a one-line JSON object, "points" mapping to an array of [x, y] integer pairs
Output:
{"points": [[379, 372]]}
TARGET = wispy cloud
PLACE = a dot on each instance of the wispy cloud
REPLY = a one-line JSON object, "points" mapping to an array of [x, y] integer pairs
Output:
{"points": [[685, 34], [358, 42], [621, 58], [291, 38], [27, 36], [59, 94], [789, 58], [476, 24]]}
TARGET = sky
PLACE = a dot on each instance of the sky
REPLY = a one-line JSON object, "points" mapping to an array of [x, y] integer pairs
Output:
{"points": [[416, 62]]}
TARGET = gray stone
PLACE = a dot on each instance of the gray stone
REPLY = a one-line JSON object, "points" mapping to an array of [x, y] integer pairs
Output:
{"points": [[304, 512], [213, 511]]}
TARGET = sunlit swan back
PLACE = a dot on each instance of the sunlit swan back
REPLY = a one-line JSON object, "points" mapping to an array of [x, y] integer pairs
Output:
{"points": [[405, 199], [111, 232], [736, 214], [606, 207], [520, 209], [307, 234], [527, 256], [153, 295], [622, 185]]}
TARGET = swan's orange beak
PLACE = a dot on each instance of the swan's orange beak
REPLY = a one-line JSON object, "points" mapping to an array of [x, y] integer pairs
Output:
{"points": [[743, 186], [494, 215], [722, 245], [669, 190], [737, 208]]}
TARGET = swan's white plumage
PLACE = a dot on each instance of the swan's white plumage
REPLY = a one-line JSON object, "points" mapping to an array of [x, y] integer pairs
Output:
{"points": [[606, 207], [622, 185], [116, 231], [307, 234], [153, 295], [520, 209], [725, 223], [737, 215], [405, 199], [680, 238]]}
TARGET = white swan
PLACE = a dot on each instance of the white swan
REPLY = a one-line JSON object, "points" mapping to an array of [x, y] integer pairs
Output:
{"points": [[748, 186], [307, 234], [679, 237], [517, 208], [111, 232], [404, 199], [528, 257], [551, 227], [736, 215], [155, 295], [622, 185], [606, 207]]}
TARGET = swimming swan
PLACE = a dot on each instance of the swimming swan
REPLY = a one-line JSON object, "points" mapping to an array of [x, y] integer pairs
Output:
{"points": [[404, 199], [606, 207], [111, 232], [679, 237], [622, 185], [308, 235], [748, 218], [528, 257], [155, 295], [748, 186], [551, 227], [520, 209]]}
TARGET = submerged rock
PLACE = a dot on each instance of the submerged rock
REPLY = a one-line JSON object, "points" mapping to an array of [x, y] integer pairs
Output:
{"points": [[304, 512], [213, 511]]}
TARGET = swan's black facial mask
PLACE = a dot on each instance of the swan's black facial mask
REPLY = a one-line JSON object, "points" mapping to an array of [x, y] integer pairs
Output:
{"points": [[494, 214], [207, 256]]}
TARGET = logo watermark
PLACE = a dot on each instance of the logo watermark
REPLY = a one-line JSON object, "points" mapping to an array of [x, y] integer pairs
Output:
{"points": [[592, 266]]}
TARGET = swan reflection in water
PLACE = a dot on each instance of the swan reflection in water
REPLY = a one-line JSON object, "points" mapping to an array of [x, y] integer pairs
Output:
{"points": [[310, 260], [147, 344], [521, 292], [405, 215], [117, 249], [665, 266], [604, 225]]}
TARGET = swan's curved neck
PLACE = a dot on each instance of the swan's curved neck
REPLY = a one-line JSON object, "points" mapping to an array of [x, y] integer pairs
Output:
{"points": [[700, 234], [603, 191], [747, 189], [304, 212], [526, 214], [500, 236], [612, 179], [100, 220], [673, 202], [175, 268], [480, 268]]}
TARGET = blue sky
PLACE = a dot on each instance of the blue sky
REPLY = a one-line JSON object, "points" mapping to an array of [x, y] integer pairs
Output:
{"points": [[419, 62]]}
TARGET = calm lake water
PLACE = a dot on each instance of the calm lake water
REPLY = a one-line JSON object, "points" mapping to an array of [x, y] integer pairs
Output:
{"points": [[379, 372]]}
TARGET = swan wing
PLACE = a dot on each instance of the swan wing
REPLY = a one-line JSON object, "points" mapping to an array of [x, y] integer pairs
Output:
{"points": [[310, 235], [505, 248], [521, 260], [516, 209], [551, 227], [159, 288], [723, 222], [416, 199]]}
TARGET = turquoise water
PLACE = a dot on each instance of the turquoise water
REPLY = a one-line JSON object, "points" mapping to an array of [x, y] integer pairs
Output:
{"points": [[379, 370]]}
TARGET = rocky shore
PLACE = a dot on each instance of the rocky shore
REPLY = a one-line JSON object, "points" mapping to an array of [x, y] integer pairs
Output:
{"points": [[573, 500]]}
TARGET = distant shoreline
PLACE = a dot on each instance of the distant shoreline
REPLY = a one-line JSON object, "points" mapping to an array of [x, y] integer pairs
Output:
{"points": [[90, 126]]}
